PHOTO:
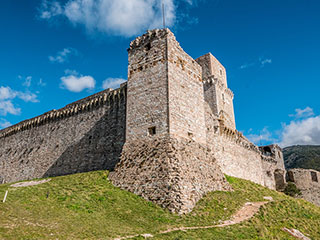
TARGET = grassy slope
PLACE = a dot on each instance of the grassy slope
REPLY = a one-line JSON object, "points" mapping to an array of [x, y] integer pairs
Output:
{"points": [[302, 157], [87, 206]]}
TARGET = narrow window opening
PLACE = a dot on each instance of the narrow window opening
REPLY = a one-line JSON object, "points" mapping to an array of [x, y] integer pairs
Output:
{"points": [[220, 72], [152, 131], [289, 177], [190, 134], [314, 176], [148, 46]]}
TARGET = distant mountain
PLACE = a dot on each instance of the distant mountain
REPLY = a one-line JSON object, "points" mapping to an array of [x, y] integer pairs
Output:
{"points": [[306, 156]]}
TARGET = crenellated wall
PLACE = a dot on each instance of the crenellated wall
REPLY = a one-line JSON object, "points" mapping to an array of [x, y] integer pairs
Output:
{"points": [[83, 136]]}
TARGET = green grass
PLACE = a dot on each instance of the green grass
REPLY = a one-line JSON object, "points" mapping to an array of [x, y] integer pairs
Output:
{"points": [[87, 206]]}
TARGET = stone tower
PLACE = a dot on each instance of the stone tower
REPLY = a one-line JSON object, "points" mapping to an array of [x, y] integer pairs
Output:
{"points": [[165, 90], [216, 91], [165, 158]]}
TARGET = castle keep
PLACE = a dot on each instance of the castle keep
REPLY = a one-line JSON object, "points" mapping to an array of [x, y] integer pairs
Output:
{"points": [[168, 134]]}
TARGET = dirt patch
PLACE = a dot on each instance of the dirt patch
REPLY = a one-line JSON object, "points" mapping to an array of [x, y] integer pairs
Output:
{"points": [[246, 212], [30, 183], [296, 233]]}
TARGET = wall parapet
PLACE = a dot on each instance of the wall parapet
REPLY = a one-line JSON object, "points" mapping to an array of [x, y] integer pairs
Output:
{"points": [[238, 138], [97, 100]]}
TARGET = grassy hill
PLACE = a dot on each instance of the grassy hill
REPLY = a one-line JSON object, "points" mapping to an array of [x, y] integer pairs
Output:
{"points": [[87, 206], [307, 157]]}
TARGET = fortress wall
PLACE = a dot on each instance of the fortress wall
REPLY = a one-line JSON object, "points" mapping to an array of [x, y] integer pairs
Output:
{"points": [[174, 173], [83, 136], [308, 181], [186, 99], [238, 159], [235, 155]]}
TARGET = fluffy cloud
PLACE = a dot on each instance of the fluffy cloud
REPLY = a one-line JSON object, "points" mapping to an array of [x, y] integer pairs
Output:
{"points": [[8, 107], [301, 132], [62, 56], [117, 17], [50, 9], [4, 123], [112, 83], [8, 93], [77, 83], [303, 113]]}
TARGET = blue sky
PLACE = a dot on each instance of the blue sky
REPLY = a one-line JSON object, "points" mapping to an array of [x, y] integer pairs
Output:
{"points": [[55, 52]]}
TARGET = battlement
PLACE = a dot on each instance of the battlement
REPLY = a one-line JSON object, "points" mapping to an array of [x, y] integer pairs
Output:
{"points": [[148, 37], [238, 138], [210, 80], [83, 105]]}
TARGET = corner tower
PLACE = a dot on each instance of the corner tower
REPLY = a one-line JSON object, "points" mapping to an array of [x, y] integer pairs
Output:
{"points": [[165, 89]]}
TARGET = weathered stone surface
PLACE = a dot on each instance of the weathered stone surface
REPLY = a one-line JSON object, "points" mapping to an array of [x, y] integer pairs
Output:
{"points": [[174, 173], [84, 136], [308, 181]]}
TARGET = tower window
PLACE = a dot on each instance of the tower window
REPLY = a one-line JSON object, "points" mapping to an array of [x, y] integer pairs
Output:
{"points": [[314, 176], [220, 72], [152, 131], [148, 46]]}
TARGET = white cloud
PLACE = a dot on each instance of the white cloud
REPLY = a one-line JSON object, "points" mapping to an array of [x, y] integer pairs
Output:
{"points": [[27, 96], [301, 132], [50, 9], [62, 56], [112, 83], [77, 83], [246, 65], [8, 107], [302, 113], [265, 61], [41, 83], [117, 17], [259, 139], [7, 93], [27, 81], [260, 62], [4, 123]]}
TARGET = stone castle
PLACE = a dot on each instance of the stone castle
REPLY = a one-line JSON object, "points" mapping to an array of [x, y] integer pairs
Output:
{"points": [[168, 134]]}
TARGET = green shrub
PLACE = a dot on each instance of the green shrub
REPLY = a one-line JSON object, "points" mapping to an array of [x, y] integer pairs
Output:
{"points": [[292, 190]]}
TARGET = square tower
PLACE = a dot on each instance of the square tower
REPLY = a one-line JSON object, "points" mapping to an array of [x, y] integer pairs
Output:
{"points": [[165, 89], [216, 92]]}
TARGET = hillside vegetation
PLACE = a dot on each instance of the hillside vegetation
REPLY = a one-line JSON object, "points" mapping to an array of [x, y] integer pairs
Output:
{"points": [[307, 157], [87, 206]]}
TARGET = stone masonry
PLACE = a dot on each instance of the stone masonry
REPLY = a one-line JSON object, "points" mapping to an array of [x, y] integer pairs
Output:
{"points": [[172, 172], [308, 181], [83, 136], [169, 133]]}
